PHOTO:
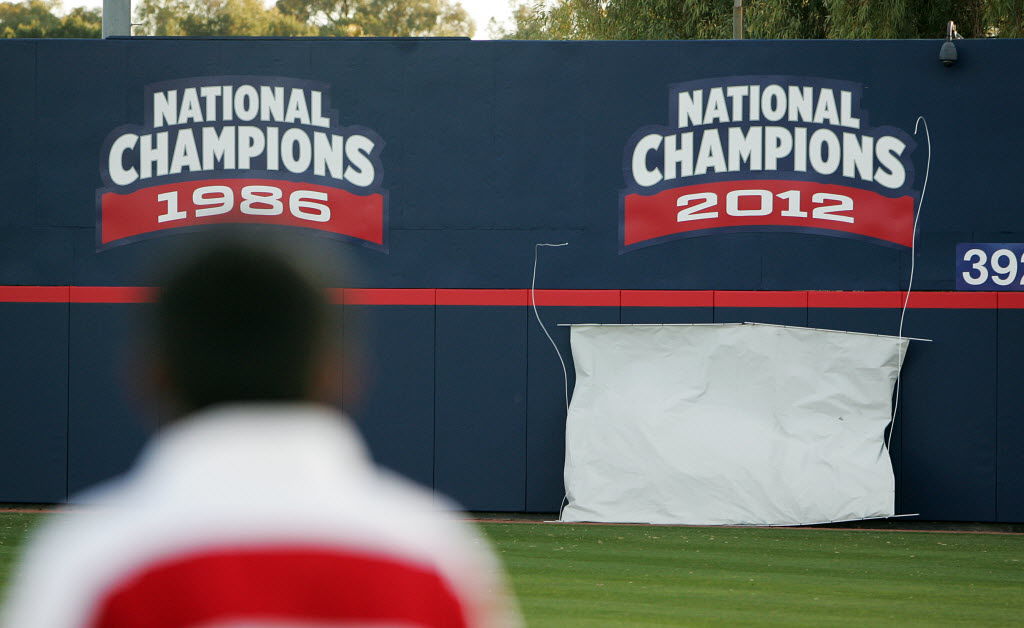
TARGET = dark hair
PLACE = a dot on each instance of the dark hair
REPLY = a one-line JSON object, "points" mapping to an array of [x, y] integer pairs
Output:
{"points": [[240, 320]]}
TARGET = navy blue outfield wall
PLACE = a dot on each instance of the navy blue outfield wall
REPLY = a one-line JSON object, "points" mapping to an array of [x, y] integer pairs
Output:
{"points": [[704, 181]]}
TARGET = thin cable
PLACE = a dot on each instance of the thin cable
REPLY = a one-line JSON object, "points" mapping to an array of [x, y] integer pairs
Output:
{"points": [[565, 372], [910, 283], [533, 302]]}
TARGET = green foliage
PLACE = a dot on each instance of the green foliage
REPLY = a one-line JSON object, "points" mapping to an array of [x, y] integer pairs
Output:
{"points": [[622, 19], [570, 19], [381, 18], [38, 18], [926, 19], [207, 18], [1005, 18], [662, 19], [764, 19], [907, 19], [785, 19], [82, 23], [32, 18], [215, 17]]}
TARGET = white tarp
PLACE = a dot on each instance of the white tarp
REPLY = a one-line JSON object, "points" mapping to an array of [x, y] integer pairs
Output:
{"points": [[739, 424]]}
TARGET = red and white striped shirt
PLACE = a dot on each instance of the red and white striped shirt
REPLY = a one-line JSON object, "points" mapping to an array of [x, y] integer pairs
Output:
{"points": [[262, 516]]}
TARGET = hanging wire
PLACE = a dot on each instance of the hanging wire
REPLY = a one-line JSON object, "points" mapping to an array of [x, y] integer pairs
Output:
{"points": [[533, 302], [910, 283], [561, 360]]}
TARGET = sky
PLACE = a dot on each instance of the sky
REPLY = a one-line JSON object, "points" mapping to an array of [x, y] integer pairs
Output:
{"points": [[480, 10]]}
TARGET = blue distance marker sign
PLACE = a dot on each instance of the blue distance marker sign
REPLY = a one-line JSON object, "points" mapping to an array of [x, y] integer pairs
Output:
{"points": [[990, 266]]}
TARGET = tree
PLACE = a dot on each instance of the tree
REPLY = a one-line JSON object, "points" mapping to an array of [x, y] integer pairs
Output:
{"points": [[38, 18], [786, 19], [81, 23], [303, 17], [200, 18], [765, 19], [382, 18]]}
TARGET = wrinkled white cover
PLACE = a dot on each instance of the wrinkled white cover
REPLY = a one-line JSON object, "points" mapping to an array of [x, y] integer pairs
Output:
{"points": [[738, 424]]}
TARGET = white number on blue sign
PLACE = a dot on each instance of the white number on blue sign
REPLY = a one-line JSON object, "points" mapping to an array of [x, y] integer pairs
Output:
{"points": [[990, 266]]}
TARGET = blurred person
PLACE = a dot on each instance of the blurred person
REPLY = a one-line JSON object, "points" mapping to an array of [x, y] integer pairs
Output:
{"points": [[256, 503]]}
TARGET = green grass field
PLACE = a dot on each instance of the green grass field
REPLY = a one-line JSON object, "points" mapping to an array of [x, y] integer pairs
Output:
{"points": [[571, 575], [568, 575]]}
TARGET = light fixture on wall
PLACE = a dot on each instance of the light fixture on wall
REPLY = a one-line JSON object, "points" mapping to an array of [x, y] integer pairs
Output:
{"points": [[948, 54]]}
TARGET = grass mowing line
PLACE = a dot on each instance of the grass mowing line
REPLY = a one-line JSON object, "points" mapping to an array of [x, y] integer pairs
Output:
{"points": [[569, 575], [576, 575], [952, 526]]}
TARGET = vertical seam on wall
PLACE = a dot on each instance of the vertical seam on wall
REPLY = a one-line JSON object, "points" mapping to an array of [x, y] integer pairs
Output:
{"points": [[433, 407], [526, 412], [67, 308], [67, 404], [894, 457], [356, 346], [344, 347], [995, 484], [899, 483]]}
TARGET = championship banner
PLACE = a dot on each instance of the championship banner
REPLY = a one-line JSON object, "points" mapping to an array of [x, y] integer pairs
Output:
{"points": [[241, 149], [767, 153]]}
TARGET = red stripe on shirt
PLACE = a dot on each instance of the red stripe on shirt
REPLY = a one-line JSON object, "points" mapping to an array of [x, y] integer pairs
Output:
{"points": [[279, 584]]}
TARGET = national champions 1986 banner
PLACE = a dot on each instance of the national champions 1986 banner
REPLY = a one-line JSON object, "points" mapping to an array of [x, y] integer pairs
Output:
{"points": [[241, 149]]}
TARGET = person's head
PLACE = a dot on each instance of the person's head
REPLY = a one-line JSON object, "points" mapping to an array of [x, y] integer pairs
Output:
{"points": [[244, 319]]}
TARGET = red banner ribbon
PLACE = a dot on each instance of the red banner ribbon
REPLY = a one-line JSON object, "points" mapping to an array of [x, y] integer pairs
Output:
{"points": [[788, 205], [220, 201]]}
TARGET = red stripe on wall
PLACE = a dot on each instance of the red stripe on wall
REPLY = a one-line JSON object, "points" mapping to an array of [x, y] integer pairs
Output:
{"points": [[759, 298], [285, 584], [481, 297], [577, 298], [954, 300], [668, 298], [1011, 300], [567, 298], [855, 299], [111, 294], [34, 294], [390, 297]]}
